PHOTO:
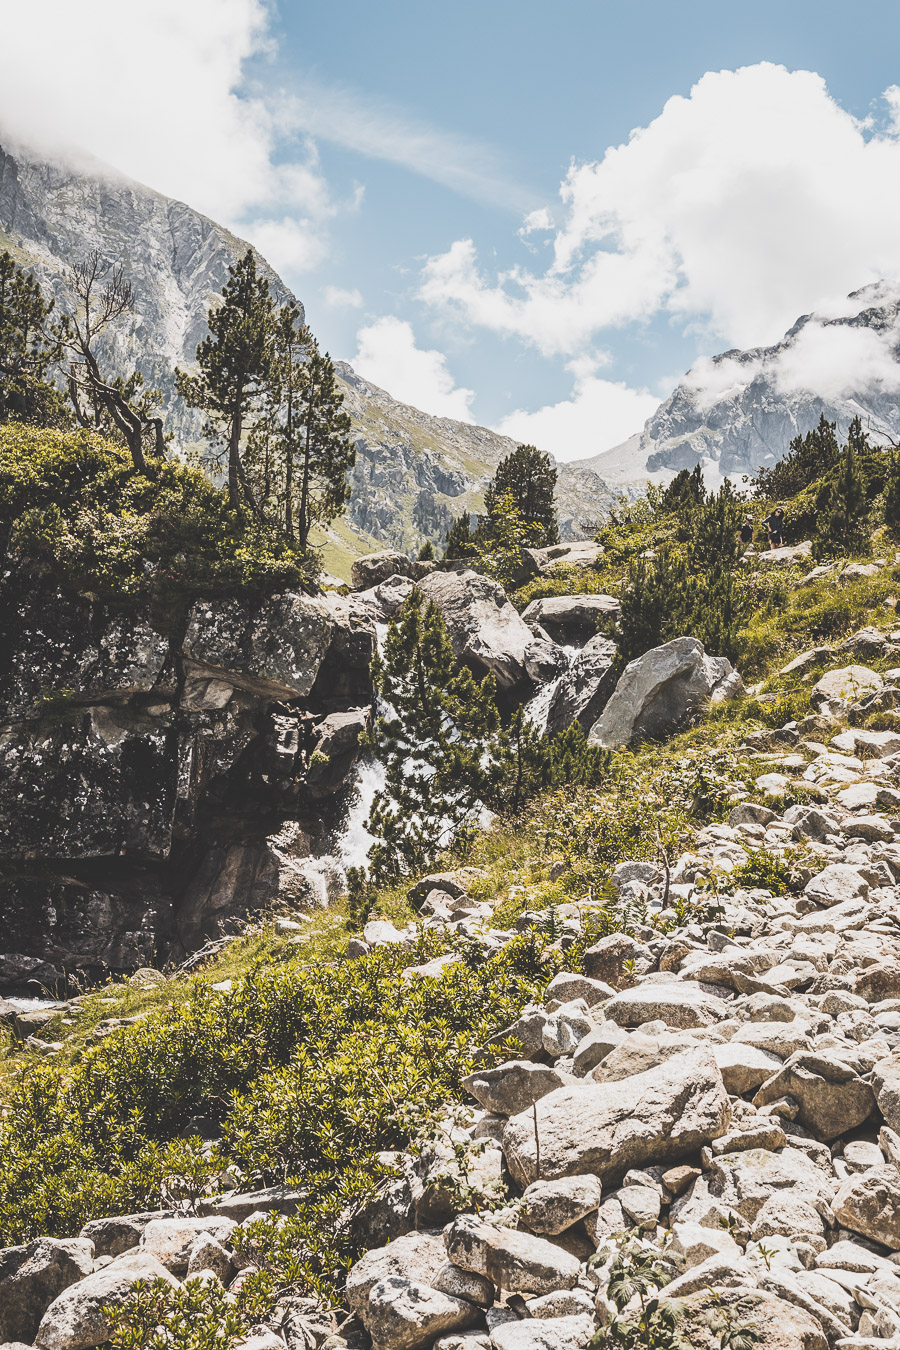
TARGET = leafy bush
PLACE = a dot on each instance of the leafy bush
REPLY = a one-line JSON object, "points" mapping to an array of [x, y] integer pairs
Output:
{"points": [[305, 1067], [72, 504]]}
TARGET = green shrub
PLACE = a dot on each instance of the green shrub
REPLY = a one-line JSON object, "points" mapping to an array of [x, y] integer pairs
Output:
{"points": [[72, 504]]}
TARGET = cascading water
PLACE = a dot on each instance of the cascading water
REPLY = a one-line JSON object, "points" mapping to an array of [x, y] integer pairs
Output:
{"points": [[353, 840], [537, 709]]}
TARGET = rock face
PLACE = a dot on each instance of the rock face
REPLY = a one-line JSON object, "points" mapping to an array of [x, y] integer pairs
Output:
{"points": [[156, 783], [76, 1321], [32, 1277], [486, 631], [735, 409], [662, 688]]}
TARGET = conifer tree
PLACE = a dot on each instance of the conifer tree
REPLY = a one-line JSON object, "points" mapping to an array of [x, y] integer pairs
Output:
{"points": [[528, 476], [27, 351], [892, 494], [686, 491], [326, 454], [808, 458], [236, 369], [434, 736], [842, 508], [500, 555], [460, 538]]}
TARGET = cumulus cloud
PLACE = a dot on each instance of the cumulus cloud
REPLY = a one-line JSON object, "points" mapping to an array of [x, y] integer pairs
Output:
{"points": [[836, 360], [389, 357], [157, 90], [753, 200], [599, 415]]}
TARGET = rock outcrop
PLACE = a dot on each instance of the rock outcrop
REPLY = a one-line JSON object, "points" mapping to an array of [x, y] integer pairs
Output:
{"points": [[160, 780], [661, 689]]}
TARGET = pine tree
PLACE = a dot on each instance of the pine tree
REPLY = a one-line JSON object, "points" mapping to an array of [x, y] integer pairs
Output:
{"points": [[710, 527], [842, 509], [892, 495], [236, 369], [500, 555], [808, 458], [528, 476], [460, 538], [27, 351], [434, 737], [686, 491], [326, 454]]}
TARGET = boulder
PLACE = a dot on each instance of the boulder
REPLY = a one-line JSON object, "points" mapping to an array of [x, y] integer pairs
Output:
{"points": [[832, 1098], [454, 884], [544, 1333], [607, 959], [584, 689], [75, 1320], [416, 1257], [566, 1028], [886, 1085], [566, 986], [171, 1240], [485, 630], [515, 1262], [878, 982], [606, 1128], [31, 1277], [118, 1234], [336, 749], [273, 648], [550, 1207], [564, 616], [575, 553], [512, 1087], [679, 1004], [843, 687], [779, 1325], [544, 660], [402, 1314], [869, 1203], [661, 689], [836, 883], [743, 1067], [373, 568]]}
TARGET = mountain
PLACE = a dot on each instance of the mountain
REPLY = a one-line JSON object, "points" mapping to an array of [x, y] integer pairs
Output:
{"points": [[414, 472], [739, 410]]}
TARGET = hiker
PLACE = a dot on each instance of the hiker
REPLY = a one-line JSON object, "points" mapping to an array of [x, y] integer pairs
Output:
{"points": [[746, 531], [775, 525]]}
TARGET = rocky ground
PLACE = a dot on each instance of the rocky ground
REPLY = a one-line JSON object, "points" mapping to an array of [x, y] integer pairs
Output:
{"points": [[715, 1098]]}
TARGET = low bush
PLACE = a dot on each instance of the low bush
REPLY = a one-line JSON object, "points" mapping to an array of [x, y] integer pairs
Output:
{"points": [[72, 504]]}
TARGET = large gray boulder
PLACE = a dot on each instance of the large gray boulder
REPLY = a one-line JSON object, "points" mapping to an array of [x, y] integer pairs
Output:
{"points": [[575, 553], [832, 1098], [31, 1277], [566, 617], [486, 631], [657, 692], [402, 1314], [585, 688], [869, 1204], [417, 1257], [606, 1128], [273, 649], [373, 568], [75, 1320], [509, 1088]]}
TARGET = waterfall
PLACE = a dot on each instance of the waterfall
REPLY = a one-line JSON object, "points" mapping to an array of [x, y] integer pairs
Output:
{"points": [[352, 839], [537, 709]]}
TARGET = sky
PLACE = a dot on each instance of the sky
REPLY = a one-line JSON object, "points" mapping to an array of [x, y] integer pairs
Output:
{"points": [[532, 217]]}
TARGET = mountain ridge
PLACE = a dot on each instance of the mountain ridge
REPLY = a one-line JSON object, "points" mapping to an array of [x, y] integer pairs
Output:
{"points": [[414, 471]]}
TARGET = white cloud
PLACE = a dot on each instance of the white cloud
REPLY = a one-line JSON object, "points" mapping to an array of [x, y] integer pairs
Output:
{"points": [[755, 199], [389, 357], [378, 129], [339, 298], [835, 361], [599, 415], [156, 90]]}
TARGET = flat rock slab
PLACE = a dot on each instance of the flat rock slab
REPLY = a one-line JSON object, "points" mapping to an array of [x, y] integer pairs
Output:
{"points": [[847, 685], [680, 1005], [544, 1333], [836, 883], [605, 1128]]}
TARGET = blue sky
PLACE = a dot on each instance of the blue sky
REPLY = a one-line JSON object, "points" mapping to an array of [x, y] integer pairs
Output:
{"points": [[386, 157]]}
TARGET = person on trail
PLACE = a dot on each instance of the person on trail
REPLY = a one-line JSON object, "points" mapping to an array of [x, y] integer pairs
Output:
{"points": [[775, 525], [746, 531]]}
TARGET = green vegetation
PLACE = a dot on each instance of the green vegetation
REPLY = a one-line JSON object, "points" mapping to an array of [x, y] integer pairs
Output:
{"points": [[520, 512], [103, 508], [73, 505]]}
